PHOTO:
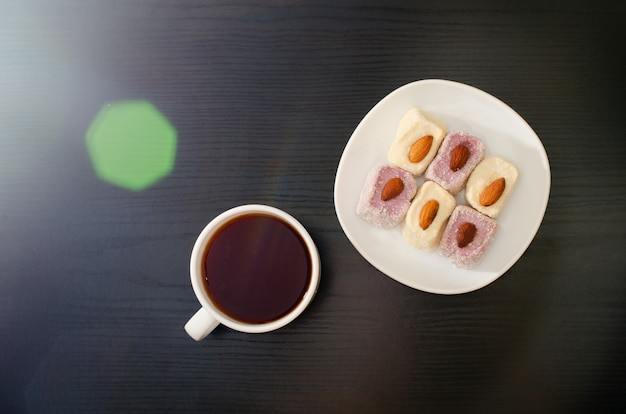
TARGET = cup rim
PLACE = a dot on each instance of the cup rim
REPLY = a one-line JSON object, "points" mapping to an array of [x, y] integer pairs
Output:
{"points": [[195, 268]]}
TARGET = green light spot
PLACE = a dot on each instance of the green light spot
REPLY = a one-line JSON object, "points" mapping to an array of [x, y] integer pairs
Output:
{"points": [[131, 144]]}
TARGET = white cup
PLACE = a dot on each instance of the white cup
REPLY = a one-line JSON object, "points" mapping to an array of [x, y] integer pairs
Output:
{"points": [[210, 315]]}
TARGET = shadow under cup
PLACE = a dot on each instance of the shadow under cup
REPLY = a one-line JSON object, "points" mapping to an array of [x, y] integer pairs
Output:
{"points": [[254, 268]]}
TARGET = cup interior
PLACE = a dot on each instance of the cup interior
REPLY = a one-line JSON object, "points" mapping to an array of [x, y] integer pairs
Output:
{"points": [[197, 273]]}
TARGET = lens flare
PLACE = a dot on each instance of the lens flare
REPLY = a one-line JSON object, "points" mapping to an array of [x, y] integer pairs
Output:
{"points": [[131, 144]]}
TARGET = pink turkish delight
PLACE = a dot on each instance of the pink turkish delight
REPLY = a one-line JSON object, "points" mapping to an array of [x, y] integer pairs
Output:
{"points": [[386, 196], [467, 236], [458, 155]]}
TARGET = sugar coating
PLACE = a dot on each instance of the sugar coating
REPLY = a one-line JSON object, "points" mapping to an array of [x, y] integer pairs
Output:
{"points": [[471, 254], [412, 232], [385, 213], [484, 174], [439, 170], [414, 125]]}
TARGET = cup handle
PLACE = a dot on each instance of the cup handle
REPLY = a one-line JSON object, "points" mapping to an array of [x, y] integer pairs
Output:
{"points": [[201, 324]]}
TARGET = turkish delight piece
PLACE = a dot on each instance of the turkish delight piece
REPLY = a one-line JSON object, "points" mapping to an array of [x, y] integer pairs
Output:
{"points": [[490, 185], [458, 155], [467, 236], [386, 196], [427, 216], [417, 140]]}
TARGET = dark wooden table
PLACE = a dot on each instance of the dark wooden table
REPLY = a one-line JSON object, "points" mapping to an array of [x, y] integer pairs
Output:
{"points": [[94, 285]]}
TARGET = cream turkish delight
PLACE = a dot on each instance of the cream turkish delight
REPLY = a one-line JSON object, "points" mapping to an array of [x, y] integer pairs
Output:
{"points": [[417, 140], [427, 216], [458, 155], [386, 196], [490, 185]]}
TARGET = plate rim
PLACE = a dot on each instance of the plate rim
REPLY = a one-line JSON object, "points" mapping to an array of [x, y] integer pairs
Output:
{"points": [[544, 197]]}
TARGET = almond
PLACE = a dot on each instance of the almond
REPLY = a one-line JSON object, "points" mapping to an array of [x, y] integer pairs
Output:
{"points": [[465, 234], [458, 157], [428, 213], [392, 189], [492, 192], [420, 148]]}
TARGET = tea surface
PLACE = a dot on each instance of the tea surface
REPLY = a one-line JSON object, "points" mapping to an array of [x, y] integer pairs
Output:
{"points": [[257, 268]]}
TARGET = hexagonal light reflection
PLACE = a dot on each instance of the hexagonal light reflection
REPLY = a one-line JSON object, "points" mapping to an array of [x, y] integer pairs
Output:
{"points": [[131, 144]]}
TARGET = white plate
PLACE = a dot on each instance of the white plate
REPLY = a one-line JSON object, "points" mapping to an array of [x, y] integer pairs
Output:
{"points": [[504, 133]]}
